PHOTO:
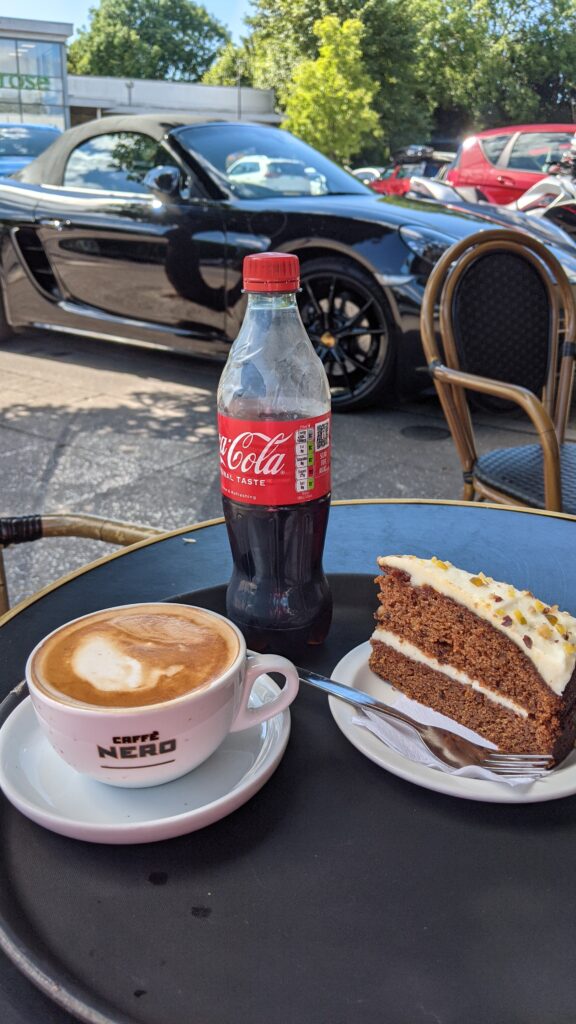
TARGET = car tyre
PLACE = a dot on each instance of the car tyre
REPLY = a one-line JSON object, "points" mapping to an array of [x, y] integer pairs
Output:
{"points": [[345, 314]]}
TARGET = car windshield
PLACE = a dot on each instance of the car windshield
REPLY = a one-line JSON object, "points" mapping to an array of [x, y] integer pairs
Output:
{"points": [[19, 140], [284, 164]]}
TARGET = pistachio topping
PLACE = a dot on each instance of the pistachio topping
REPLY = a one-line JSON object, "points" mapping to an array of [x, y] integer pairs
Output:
{"points": [[441, 565]]}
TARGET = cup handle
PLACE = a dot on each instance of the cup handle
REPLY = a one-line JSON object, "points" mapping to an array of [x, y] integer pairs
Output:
{"points": [[257, 665]]}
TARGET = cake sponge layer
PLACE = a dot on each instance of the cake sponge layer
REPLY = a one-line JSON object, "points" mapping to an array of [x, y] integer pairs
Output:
{"points": [[498, 724]]}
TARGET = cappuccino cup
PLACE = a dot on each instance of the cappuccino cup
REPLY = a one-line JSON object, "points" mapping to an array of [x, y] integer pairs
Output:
{"points": [[141, 694]]}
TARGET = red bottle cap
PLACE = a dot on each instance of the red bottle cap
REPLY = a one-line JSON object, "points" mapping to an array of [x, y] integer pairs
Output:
{"points": [[271, 272]]}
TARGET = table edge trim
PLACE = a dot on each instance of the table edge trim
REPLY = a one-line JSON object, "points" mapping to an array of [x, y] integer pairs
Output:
{"points": [[219, 520]]}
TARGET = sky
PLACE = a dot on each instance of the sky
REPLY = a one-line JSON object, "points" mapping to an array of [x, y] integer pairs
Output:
{"points": [[229, 12]]}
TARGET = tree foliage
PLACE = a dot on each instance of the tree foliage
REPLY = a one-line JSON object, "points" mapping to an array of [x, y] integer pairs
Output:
{"points": [[459, 63], [163, 39], [282, 36], [497, 61], [233, 66], [328, 101], [452, 64]]}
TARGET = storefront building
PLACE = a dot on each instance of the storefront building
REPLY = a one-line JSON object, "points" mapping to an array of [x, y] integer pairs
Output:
{"points": [[35, 89], [33, 72]]}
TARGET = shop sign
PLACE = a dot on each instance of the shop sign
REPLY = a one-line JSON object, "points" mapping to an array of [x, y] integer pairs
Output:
{"points": [[14, 81]]}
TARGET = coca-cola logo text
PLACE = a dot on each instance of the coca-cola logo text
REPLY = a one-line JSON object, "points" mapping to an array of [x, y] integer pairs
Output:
{"points": [[263, 462], [238, 453]]}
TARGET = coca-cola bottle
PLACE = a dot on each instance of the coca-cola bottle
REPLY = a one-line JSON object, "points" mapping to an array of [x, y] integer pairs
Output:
{"points": [[274, 426]]}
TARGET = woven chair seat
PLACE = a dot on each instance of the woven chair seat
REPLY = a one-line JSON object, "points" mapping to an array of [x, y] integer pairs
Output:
{"points": [[519, 473]]}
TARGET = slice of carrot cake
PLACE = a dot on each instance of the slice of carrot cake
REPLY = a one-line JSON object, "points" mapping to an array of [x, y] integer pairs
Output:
{"points": [[494, 658]]}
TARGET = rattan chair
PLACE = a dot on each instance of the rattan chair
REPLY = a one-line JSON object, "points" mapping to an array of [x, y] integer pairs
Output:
{"points": [[506, 334], [21, 529]]}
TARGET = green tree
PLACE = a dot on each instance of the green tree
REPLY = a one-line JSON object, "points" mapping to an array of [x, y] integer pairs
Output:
{"points": [[328, 102], [282, 35], [388, 45], [233, 66], [452, 65], [496, 61], [541, 56], [164, 39]]}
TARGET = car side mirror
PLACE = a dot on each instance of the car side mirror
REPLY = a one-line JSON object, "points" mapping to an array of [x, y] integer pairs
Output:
{"points": [[163, 179]]}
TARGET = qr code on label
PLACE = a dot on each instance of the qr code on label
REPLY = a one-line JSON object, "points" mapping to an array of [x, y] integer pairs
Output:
{"points": [[322, 439]]}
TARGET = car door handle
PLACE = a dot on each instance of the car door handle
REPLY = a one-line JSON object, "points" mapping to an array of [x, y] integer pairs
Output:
{"points": [[54, 222], [503, 180]]}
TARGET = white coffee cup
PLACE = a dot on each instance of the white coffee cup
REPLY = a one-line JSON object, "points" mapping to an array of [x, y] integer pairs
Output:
{"points": [[150, 743]]}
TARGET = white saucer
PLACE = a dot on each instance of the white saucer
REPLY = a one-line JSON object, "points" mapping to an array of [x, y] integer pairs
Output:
{"points": [[354, 671], [44, 788]]}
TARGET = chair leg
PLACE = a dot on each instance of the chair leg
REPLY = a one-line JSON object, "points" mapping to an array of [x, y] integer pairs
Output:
{"points": [[4, 602], [468, 492]]}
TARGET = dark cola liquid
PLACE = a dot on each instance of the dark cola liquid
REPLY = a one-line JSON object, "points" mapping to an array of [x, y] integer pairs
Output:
{"points": [[278, 594]]}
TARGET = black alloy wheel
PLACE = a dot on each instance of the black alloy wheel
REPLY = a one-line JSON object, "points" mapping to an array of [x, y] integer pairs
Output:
{"points": [[345, 317]]}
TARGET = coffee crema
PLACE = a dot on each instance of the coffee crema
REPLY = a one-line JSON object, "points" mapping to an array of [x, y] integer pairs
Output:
{"points": [[134, 656]]}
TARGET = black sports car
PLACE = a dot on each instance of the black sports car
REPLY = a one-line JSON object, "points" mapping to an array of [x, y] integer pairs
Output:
{"points": [[134, 228]]}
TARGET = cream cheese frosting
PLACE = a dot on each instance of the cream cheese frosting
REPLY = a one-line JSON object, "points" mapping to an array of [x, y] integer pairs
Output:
{"points": [[546, 635]]}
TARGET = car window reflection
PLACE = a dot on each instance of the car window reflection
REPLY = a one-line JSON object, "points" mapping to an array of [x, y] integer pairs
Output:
{"points": [[117, 162], [253, 162]]}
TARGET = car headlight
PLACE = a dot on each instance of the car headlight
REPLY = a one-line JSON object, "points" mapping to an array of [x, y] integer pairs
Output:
{"points": [[428, 245]]}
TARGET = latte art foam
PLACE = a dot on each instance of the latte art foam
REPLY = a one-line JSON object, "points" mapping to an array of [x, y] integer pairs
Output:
{"points": [[129, 657]]}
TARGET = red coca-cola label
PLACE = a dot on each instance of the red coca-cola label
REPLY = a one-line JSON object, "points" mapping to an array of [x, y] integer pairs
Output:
{"points": [[274, 462]]}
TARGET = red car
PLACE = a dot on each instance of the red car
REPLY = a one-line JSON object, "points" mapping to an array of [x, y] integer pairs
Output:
{"points": [[501, 163], [421, 160], [394, 181]]}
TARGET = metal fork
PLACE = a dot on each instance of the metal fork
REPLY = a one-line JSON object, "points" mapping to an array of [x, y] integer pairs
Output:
{"points": [[453, 750]]}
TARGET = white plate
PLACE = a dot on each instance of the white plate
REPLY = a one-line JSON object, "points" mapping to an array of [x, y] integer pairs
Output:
{"points": [[44, 788], [354, 671]]}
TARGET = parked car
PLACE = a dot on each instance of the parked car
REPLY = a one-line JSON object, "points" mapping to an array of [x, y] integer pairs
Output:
{"points": [[502, 163], [441, 190], [552, 201], [290, 177], [131, 228], [414, 160], [21, 143], [369, 174]]}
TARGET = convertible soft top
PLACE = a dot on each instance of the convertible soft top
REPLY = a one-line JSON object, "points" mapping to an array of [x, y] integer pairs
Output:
{"points": [[48, 168]]}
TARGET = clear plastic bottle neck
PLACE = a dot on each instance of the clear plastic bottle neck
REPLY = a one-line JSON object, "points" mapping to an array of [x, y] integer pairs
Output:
{"points": [[271, 300]]}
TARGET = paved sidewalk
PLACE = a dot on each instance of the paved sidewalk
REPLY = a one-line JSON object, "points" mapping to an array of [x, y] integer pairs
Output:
{"points": [[94, 427]]}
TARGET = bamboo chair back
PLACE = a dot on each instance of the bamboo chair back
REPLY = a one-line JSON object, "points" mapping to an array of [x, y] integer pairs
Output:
{"points": [[506, 319]]}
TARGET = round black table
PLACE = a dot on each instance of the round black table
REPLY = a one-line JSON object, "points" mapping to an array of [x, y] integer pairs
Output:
{"points": [[340, 894]]}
